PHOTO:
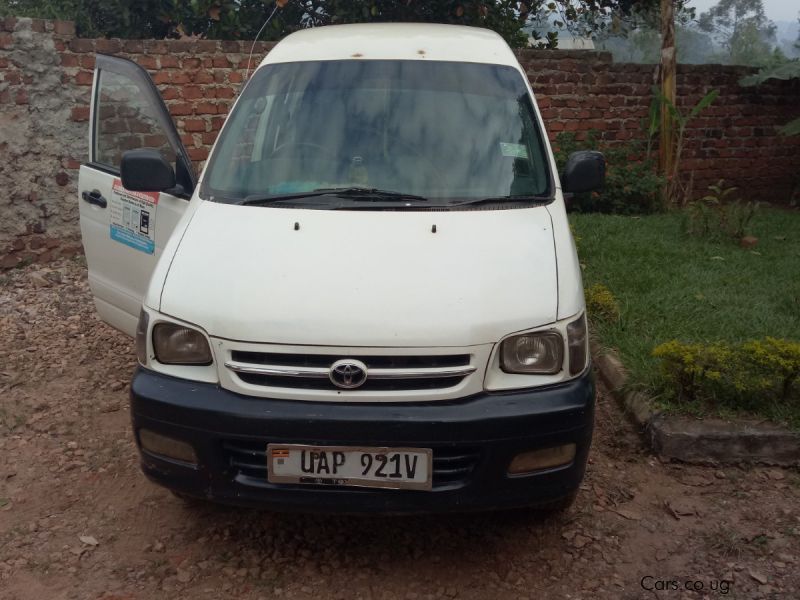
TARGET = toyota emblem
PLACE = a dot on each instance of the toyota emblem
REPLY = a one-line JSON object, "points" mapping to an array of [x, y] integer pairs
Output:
{"points": [[348, 373]]}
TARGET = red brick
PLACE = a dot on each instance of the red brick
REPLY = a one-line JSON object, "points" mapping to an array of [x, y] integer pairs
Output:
{"points": [[178, 46], [133, 46], [181, 77], [170, 93], [209, 137], [195, 125], [6, 41], [169, 61], [203, 76], [220, 62], [84, 78], [81, 45], [161, 77], [87, 61], [231, 46], [9, 23], [181, 109], [225, 92], [207, 46], [108, 46], [206, 108], [192, 92], [64, 28], [153, 141], [21, 96], [191, 63], [80, 113], [147, 62], [69, 60], [235, 77], [38, 25], [156, 47], [198, 153]]}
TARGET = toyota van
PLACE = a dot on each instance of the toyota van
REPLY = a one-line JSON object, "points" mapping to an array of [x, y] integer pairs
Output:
{"points": [[369, 300]]}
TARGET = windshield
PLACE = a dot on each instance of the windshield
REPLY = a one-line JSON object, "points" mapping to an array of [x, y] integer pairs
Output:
{"points": [[444, 131]]}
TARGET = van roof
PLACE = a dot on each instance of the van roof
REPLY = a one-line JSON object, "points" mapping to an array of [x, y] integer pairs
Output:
{"points": [[398, 41]]}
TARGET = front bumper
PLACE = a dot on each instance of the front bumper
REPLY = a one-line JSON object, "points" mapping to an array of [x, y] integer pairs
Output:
{"points": [[473, 440]]}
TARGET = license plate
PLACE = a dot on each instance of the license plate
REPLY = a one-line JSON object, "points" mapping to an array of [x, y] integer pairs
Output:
{"points": [[394, 468]]}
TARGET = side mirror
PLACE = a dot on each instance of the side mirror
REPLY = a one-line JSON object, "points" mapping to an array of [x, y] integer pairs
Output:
{"points": [[585, 171], [145, 170]]}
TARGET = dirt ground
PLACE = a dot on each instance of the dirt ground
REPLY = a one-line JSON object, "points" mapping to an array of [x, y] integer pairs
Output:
{"points": [[78, 520]]}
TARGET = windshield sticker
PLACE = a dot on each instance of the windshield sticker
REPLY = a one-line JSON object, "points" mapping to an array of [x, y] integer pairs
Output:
{"points": [[513, 150], [133, 218]]}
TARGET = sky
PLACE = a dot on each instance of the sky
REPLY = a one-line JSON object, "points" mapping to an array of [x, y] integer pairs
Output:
{"points": [[777, 10]]}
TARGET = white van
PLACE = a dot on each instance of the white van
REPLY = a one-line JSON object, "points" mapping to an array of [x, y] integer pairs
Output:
{"points": [[369, 300]]}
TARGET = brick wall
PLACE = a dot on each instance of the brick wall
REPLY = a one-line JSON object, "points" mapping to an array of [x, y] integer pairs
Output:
{"points": [[46, 77], [734, 139]]}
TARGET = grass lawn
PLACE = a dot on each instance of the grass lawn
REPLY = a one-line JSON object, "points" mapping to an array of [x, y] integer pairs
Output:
{"points": [[670, 285]]}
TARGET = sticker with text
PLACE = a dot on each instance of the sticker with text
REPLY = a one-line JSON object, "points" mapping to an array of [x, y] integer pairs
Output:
{"points": [[133, 218], [513, 150]]}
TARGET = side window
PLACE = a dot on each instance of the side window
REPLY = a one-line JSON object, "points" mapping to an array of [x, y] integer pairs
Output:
{"points": [[125, 120]]}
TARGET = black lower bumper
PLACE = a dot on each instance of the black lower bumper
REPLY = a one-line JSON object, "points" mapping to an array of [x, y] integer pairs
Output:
{"points": [[473, 441]]}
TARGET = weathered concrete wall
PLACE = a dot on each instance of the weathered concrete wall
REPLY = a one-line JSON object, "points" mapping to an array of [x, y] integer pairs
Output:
{"points": [[46, 77], [40, 144], [45, 84]]}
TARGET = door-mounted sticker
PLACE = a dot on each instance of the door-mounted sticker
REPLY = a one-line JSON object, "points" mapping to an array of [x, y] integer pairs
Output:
{"points": [[133, 217]]}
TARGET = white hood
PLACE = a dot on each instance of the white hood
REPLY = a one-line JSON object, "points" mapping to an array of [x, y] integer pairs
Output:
{"points": [[363, 278]]}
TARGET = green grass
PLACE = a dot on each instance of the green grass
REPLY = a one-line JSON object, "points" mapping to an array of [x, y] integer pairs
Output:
{"points": [[670, 285]]}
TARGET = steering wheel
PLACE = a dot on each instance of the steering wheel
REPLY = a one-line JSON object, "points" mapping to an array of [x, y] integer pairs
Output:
{"points": [[424, 161]]}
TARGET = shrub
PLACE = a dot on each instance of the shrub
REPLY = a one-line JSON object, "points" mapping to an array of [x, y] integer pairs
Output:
{"points": [[778, 358], [632, 184], [601, 304], [719, 214], [744, 375]]}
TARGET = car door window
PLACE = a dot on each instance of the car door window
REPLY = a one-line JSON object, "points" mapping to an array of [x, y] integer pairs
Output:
{"points": [[125, 121]]}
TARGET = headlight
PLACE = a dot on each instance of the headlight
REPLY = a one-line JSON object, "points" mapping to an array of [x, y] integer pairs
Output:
{"points": [[178, 345], [541, 352], [141, 337], [576, 338]]}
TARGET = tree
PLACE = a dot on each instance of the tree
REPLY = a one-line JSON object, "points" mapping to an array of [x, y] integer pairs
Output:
{"points": [[797, 43], [742, 29], [669, 62], [241, 19]]}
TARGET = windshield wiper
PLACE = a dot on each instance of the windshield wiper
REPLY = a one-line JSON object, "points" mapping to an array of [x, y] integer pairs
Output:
{"points": [[357, 193], [498, 199], [362, 192]]}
